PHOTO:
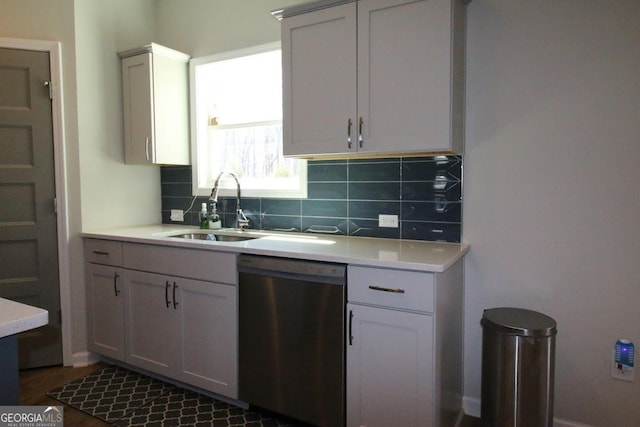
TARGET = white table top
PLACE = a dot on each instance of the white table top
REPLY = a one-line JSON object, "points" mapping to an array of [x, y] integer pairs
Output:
{"points": [[16, 317]]}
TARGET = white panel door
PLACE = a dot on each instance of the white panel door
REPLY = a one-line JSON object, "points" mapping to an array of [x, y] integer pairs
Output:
{"points": [[319, 75], [389, 368]]}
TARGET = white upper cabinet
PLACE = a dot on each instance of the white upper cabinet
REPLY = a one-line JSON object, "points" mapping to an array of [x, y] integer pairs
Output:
{"points": [[320, 82], [374, 77], [156, 105]]}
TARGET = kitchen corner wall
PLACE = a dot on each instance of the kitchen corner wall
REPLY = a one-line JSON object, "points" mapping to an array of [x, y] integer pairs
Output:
{"points": [[345, 197], [552, 114]]}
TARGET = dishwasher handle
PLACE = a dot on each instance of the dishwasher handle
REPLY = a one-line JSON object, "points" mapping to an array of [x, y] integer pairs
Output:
{"points": [[307, 278], [294, 269]]}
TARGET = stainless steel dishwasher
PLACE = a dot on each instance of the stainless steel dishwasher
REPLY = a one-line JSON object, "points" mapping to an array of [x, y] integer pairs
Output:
{"points": [[292, 325]]}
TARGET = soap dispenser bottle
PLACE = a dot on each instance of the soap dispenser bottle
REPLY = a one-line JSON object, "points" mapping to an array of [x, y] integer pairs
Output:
{"points": [[214, 218], [204, 220]]}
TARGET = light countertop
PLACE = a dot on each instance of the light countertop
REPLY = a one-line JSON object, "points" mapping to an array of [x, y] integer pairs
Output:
{"points": [[365, 251], [16, 317]]}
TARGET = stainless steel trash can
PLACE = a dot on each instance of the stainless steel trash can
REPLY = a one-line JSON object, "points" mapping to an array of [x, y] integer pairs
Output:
{"points": [[518, 366]]}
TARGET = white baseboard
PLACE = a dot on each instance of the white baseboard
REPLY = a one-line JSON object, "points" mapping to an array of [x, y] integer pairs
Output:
{"points": [[558, 422], [460, 418], [84, 358], [472, 405]]}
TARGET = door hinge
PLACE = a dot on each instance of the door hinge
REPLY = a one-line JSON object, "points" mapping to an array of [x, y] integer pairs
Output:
{"points": [[55, 205], [60, 317], [49, 86]]}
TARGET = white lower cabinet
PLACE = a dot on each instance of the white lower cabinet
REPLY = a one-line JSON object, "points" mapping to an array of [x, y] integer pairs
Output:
{"points": [[208, 332], [174, 312], [182, 326], [404, 347], [183, 329], [105, 297], [105, 301], [151, 325], [389, 368]]}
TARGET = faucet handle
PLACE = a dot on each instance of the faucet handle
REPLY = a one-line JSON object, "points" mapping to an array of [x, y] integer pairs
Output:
{"points": [[241, 220]]}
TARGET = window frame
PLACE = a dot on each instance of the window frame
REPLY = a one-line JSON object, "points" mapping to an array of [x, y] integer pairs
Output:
{"points": [[227, 187]]}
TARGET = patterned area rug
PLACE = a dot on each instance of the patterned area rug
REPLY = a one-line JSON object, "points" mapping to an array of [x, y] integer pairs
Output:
{"points": [[128, 399]]}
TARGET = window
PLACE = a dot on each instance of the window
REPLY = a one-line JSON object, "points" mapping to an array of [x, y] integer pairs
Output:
{"points": [[237, 124]]}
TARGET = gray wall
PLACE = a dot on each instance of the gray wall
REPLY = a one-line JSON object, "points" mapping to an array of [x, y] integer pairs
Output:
{"points": [[551, 203], [207, 27], [113, 194]]}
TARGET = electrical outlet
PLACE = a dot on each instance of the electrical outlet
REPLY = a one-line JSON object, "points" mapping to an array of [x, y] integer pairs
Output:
{"points": [[388, 221], [619, 371], [177, 215]]}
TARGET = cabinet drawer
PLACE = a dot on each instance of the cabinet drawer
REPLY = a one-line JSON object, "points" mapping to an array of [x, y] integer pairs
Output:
{"points": [[206, 265], [107, 252], [409, 290]]}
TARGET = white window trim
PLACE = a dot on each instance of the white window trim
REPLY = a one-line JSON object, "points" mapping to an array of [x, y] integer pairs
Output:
{"points": [[227, 189]]}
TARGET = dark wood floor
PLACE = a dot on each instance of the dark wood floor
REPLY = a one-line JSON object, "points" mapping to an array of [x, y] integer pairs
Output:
{"points": [[468, 421], [35, 383]]}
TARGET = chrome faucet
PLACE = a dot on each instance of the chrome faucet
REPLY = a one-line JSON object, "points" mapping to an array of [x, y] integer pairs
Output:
{"points": [[241, 220]]}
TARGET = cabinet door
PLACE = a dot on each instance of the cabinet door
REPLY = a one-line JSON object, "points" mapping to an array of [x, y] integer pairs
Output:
{"points": [[319, 81], [151, 320], [170, 110], [404, 75], [389, 368], [208, 334], [106, 295], [137, 84]]}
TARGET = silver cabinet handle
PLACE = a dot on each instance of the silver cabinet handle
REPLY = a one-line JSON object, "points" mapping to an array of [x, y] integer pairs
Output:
{"points": [[349, 123], [381, 289], [146, 148], [360, 138]]}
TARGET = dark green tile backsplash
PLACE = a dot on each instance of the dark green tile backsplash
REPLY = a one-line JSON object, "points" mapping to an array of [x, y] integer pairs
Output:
{"points": [[345, 197]]}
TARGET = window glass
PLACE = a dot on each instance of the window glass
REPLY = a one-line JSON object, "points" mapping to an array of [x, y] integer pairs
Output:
{"points": [[237, 124]]}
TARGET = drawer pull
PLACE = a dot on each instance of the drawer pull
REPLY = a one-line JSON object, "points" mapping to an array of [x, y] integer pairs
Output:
{"points": [[381, 289], [116, 291], [103, 253]]}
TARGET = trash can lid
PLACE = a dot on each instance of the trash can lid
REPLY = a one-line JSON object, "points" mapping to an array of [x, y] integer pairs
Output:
{"points": [[519, 321]]}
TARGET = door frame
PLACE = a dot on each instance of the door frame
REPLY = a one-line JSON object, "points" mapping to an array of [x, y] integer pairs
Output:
{"points": [[55, 64]]}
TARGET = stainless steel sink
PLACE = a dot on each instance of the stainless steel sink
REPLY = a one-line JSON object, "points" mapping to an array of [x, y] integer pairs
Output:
{"points": [[214, 237]]}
